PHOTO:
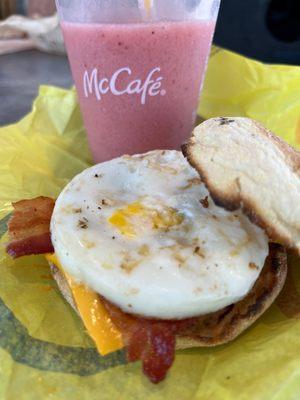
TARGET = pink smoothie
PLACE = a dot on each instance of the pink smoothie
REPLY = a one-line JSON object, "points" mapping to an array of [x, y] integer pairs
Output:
{"points": [[138, 84]]}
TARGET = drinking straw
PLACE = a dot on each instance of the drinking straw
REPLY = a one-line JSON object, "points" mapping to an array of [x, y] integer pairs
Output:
{"points": [[145, 7], [148, 5]]}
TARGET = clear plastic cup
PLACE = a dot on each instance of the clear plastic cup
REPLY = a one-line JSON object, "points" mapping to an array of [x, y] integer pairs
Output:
{"points": [[138, 67]]}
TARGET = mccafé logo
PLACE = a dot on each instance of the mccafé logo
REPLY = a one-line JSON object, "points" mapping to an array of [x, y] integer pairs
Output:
{"points": [[95, 85]]}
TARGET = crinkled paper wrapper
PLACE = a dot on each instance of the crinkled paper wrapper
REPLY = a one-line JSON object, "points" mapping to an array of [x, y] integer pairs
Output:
{"points": [[44, 350]]}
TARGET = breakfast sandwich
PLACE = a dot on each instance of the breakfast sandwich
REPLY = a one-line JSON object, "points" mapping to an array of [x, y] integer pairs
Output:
{"points": [[147, 255]]}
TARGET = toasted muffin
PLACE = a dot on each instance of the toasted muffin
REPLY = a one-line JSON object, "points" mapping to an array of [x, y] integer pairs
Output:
{"points": [[245, 166]]}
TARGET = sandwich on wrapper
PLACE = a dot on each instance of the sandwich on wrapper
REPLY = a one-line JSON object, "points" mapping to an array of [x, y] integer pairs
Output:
{"points": [[164, 259]]}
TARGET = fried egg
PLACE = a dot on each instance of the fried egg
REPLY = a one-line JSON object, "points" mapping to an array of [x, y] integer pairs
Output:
{"points": [[143, 232]]}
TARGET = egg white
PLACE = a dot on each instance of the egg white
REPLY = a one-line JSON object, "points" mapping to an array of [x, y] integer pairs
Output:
{"points": [[193, 261]]}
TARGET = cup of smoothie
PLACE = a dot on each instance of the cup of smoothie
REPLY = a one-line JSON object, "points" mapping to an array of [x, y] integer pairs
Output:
{"points": [[138, 67]]}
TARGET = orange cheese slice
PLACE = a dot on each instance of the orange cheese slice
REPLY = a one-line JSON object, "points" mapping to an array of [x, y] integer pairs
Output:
{"points": [[93, 313]]}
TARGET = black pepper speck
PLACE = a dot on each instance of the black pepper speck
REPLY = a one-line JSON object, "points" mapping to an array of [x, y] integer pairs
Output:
{"points": [[225, 121], [83, 223]]}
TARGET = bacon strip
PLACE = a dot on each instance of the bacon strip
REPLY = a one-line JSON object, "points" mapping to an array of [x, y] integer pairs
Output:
{"points": [[151, 341], [29, 227]]}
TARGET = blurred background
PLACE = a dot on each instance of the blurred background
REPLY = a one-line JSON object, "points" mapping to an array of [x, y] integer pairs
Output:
{"points": [[266, 30], [29, 7]]}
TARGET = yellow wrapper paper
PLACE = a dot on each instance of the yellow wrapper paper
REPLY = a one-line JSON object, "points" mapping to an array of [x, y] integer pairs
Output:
{"points": [[238, 86], [44, 350]]}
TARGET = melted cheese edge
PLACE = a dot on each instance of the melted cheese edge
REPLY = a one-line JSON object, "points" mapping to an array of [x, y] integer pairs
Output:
{"points": [[93, 313]]}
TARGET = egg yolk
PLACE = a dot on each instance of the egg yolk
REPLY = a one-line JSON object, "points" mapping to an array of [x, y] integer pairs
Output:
{"points": [[131, 219]]}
